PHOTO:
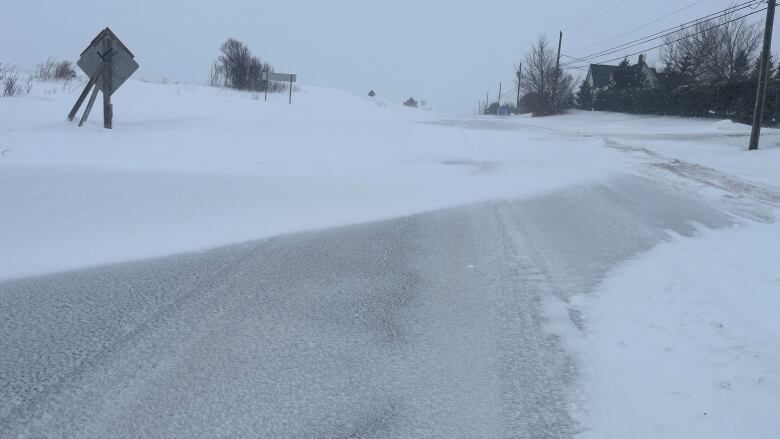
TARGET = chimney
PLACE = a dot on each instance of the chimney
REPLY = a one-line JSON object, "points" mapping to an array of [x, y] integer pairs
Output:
{"points": [[641, 59]]}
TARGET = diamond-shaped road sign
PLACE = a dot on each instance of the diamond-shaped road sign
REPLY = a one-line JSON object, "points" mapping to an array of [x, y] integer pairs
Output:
{"points": [[122, 63]]}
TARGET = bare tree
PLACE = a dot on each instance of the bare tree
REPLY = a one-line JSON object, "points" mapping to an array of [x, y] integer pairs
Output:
{"points": [[215, 75], [235, 63], [712, 50], [541, 78], [237, 68]]}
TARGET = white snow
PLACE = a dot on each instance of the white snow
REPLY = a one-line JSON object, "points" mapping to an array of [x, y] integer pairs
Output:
{"points": [[683, 341], [191, 167], [680, 342], [718, 144]]}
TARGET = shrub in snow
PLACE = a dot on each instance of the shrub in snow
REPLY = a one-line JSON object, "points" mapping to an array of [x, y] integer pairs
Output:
{"points": [[56, 70], [11, 84], [410, 103]]}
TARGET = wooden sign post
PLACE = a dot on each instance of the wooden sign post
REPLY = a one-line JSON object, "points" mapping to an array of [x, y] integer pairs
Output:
{"points": [[108, 63], [280, 77]]}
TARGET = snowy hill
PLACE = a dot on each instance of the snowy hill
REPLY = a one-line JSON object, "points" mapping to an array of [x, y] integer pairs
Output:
{"points": [[189, 167]]}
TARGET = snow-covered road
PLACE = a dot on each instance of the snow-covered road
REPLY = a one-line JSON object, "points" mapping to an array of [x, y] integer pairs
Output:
{"points": [[430, 325]]}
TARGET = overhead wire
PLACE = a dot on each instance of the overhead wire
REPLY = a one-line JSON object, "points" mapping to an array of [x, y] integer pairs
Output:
{"points": [[670, 42], [628, 32], [599, 15], [662, 34]]}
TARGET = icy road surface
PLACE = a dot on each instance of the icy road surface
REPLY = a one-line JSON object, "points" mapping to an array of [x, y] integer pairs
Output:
{"points": [[425, 326]]}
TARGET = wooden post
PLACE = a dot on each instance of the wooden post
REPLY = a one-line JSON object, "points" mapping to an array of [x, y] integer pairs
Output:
{"points": [[108, 111], [82, 96], [499, 97], [291, 85], [557, 72], [267, 82], [758, 112], [519, 75], [91, 102]]}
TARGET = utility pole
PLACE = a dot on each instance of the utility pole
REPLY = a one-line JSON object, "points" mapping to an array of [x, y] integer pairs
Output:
{"points": [[758, 113], [557, 72], [519, 75], [499, 97], [487, 102]]}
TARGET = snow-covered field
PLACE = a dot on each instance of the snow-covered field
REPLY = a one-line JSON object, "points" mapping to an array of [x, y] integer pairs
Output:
{"points": [[190, 167], [679, 342]]}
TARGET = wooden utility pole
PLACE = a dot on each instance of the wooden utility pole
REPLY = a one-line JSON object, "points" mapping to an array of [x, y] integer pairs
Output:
{"points": [[557, 72], [519, 75], [107, 78], [499, 97], [763, 76], [267, 82]]}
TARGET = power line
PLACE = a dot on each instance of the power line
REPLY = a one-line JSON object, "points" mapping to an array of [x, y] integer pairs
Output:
{"points": [[667, 32], [597, 16], [664, 33], [688, 6], [672, 42]]}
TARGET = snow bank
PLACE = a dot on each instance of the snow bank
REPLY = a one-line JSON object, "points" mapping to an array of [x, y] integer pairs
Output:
{"points": [[190, 167], [717, 144], [683, 342]]}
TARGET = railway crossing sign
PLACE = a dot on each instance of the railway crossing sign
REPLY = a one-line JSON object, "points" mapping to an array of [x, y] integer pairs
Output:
{"points": [[108, 63]]}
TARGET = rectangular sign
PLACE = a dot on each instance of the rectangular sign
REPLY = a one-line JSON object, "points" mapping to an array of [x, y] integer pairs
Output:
{"points": [[281, 77]]}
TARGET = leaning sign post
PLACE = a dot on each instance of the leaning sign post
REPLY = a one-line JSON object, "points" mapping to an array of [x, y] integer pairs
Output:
{"points": [[279, 77], [108, 63]]}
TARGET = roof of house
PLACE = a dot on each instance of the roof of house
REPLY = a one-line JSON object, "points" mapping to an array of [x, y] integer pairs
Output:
{"points": [[601, 75]]}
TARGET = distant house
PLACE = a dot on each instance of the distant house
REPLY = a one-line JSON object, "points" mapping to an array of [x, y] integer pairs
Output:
{"points": [[600, 75]]}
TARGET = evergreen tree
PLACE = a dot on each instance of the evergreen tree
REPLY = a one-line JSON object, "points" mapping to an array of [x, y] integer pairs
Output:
{"points": [[621, 76], [585, 96], [627, 76], [757, 68], [777, 73], [741, 67]]}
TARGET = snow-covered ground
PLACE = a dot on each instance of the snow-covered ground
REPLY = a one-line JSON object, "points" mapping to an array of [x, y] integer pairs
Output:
{"points": [[191, 167], [679, 342], [685, 341]]}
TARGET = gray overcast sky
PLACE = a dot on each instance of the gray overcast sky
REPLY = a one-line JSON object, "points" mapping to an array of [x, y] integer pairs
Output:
{"points": [[450, 52]]}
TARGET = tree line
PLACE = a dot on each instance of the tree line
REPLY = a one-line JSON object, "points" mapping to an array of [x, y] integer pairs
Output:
{"points": [[710, 70]]}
